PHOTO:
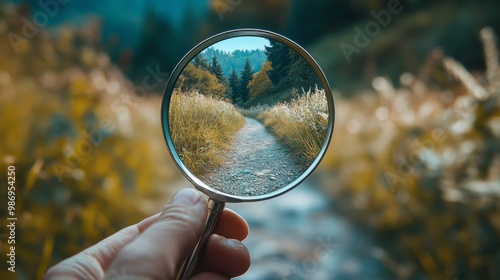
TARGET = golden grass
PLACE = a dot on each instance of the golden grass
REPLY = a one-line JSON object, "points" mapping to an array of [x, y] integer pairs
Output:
{"points": [[254, 112], [399, 166], [301, 124], [202, 128], [73, 188]]}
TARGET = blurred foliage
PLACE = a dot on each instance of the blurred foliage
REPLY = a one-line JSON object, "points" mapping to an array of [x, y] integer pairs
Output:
{"points": [[86, 150], [142, 33], [416, 164], [322, 25], [419, 166], [405, 42]]}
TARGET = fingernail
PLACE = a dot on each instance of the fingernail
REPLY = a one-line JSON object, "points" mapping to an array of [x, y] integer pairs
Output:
{"points": [[185, 197], [234, 243]]}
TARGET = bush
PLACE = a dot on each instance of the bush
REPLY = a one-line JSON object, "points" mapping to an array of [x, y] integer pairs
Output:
{"points": [[196, 78], [419, 166], [74, 131]]}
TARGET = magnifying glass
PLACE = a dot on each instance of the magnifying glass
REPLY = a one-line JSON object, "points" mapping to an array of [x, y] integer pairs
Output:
{"points": [[247, 115]]}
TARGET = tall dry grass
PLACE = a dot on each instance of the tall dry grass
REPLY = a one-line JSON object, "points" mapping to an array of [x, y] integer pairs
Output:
{"points": [[255, 111], [71, 126], [419, 164], [202, 128], [301, 124]]}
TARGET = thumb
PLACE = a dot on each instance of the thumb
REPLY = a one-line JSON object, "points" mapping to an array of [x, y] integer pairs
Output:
{"points": [[160, 250]]}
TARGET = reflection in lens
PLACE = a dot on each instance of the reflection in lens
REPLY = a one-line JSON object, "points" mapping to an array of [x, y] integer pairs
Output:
{"points": [[248, 119]]}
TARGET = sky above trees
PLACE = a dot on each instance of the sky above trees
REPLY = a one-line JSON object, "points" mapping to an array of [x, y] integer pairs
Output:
{"points": [[242, 43]]}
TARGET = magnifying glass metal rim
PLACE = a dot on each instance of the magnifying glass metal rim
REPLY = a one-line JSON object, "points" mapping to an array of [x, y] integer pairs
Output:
{"points": [[200, 185]]}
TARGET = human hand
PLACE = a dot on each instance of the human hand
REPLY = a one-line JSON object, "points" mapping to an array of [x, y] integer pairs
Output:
{"points": [[156, 247]]}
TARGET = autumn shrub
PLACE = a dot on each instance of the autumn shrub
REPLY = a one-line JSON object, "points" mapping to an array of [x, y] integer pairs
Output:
{"points": [[260, 83], [300, 124], [202, 128], [197, 78], [75, 134], [419, 165]]}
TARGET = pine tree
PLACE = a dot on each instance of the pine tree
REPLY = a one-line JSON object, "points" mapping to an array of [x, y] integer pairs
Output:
{"points": [[301, 74], [200, 62], [277, 54], [216, 69], [245, 77], [234, 85]]}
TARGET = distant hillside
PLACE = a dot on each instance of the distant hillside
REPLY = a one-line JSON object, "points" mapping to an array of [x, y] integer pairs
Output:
{"points": [[405, 45], [236, 59]]}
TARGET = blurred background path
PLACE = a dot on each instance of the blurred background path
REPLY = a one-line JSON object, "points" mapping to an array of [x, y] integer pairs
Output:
{"points": [[409, 188], [299, 236]]}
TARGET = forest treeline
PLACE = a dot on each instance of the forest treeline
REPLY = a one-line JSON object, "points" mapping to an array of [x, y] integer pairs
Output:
{"points": [[282, 70], [236, 59], [139, 35]]}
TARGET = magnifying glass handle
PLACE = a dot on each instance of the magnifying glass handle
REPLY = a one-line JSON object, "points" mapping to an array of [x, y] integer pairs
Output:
{"points": [[214, 210]]}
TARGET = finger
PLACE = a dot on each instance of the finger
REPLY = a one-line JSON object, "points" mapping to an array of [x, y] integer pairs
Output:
{"points": [[231, 225], [160, 250], [105, 251], [144, 224], [93, 261], [225, 256]]}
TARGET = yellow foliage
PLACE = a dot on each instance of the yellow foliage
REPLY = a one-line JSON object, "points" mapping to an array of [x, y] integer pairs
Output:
{"points": [[421, 167], [261, 84], [196, 78], [83, 168]]}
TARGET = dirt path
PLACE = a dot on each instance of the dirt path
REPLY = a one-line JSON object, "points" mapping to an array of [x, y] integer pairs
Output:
{"points": [[256, 163], [298, 236]]}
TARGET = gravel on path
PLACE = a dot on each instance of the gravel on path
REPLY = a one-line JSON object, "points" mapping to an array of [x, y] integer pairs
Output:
{"points": [[255, 164]]}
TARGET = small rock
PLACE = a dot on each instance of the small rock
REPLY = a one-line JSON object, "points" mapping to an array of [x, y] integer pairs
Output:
{"points": [[249, 190], [246, 171], [272, 178]]}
